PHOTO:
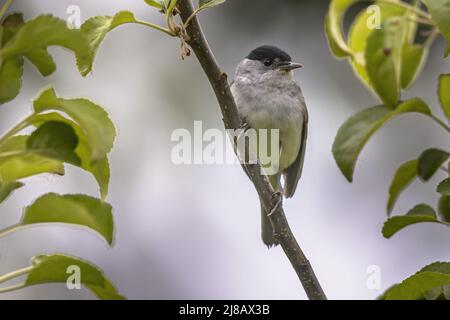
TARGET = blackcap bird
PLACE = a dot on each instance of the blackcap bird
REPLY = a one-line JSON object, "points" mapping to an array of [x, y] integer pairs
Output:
{"points": [[267, 97]]}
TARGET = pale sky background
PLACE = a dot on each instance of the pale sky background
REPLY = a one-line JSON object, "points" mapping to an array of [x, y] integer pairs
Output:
{"points": [[193, 232]]}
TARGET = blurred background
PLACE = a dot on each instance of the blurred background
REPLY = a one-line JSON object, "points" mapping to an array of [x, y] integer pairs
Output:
{"points": [[193, 232]]}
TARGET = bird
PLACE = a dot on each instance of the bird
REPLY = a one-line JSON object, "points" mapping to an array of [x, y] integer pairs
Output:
{"points": [[268, 97]]}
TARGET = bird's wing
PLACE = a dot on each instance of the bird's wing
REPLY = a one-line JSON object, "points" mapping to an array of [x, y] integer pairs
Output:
{"points": [[294, 171]]}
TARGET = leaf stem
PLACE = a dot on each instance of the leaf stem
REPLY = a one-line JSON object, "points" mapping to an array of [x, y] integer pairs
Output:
{"points": [[440, 123], [5, 8], [9, 230], [157, 27], [196, 11], [433, 35], [12, 288], [15, 274], [420, 20]]}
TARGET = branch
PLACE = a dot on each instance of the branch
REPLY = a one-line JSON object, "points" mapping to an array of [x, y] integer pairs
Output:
{"points": [[271, 201]]}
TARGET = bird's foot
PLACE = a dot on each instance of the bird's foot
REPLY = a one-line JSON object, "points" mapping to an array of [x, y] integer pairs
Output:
{"points": [[244, 126], [278, 196]]}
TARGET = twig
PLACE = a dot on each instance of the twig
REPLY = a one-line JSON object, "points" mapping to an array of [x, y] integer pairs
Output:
{"points": [[219, 83]]}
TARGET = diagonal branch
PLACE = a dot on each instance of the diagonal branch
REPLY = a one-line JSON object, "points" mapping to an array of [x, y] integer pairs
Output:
{"points": [[270, 201]]}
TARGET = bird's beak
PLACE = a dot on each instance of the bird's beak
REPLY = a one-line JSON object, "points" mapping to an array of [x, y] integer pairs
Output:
{"points": [[288, 66]]}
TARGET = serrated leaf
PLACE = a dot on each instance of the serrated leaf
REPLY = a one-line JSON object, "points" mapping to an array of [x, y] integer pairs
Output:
{"points": [[356, 131], [55, 140], [444, 208], [95, 30], [383, 60], [418, 285], [54, 269], [420, 213], [334, 32], [93, 119], [429, 162], [99, 169], [403, 177], [204, 4], [444, 93], [44, 31], [444, 187], [6, 188], [415, 287], [440, 11], [25, 165], [39, 57], [78, 210]]}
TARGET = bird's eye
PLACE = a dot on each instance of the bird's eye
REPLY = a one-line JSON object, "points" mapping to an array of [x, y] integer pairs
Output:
{"points": [[268, 62]]}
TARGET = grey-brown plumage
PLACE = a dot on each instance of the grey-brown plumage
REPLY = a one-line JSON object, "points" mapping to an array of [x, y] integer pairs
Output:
{"points": [[268, 97]]}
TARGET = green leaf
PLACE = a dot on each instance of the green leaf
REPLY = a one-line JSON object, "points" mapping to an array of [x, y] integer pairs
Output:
{"points": [[204, 4], [420, 213], [42, 60], [413, 59], [415, 287], [42, 32], [6, 188], [418, 287], [156, 4], [383, 60], [10, 79], [93, 119], [440, 13], [24, 164], [356, 131], [359, 32], [95, 30], [444, 187], [99, 169], [444, 93], [55, 269], [79, 210], [444, 208], [40, 57], [430, 161], [55, 140], [403, 177], [334, 46], [333, 27]]}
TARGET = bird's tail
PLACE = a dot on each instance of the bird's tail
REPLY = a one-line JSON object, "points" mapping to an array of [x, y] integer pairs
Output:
{"points": [[267, 233]]}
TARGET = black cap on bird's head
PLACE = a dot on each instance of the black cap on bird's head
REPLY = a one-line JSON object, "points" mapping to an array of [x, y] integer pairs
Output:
{"points": [[269, 52], [273, 56]]}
